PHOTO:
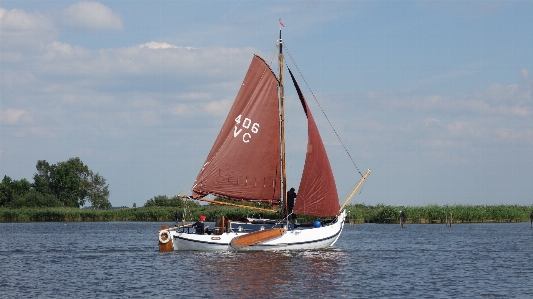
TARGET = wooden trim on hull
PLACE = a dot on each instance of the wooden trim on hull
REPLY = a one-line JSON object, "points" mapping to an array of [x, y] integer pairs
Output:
{"points": [[256, 237]]}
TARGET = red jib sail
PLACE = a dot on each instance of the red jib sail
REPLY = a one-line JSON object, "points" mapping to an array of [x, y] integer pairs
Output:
{"points": [[244, 163], [317, 194]]}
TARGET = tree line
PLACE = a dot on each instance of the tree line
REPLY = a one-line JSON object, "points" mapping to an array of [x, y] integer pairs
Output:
{"points": [[65, 184]]}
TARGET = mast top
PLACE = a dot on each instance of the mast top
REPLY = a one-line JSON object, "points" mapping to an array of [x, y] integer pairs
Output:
{"points": [[280, 41]]}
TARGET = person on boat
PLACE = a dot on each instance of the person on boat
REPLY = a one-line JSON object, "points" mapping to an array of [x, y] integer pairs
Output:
{"points": [[200, 226], [291, 198], [402, 218]]}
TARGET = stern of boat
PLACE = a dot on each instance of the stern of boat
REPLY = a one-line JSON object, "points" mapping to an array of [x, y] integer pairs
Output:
{"points": [[165, 239]]}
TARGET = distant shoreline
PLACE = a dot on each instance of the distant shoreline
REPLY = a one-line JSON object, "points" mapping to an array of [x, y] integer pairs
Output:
{"points": [[359, 213], [435, 214]]}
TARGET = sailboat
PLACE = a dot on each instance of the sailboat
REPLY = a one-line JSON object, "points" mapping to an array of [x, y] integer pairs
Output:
{"points": [[247, 164]]}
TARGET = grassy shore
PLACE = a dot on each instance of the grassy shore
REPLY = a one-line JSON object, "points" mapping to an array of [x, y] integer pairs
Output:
{"points": [[439, 214], [126, 214], [357, 214]]}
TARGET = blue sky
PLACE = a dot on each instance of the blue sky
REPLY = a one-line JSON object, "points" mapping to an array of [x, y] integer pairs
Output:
{"points": [[433, 96]]}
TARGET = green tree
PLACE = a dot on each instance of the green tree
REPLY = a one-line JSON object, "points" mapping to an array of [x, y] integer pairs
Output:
{"points": [[72, 183], [164, 201], [42, 178], [98, 192], [11, 189], [35, 199]]}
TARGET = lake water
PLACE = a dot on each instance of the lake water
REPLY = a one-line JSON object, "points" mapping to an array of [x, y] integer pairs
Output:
{"points": [[121, 260]]}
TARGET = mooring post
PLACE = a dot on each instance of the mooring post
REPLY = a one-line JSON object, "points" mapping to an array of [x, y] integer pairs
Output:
{"points": [[451, 219]]}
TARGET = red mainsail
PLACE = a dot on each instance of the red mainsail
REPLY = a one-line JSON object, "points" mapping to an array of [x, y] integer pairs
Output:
{"points": [[244, 163], [317, 194]]}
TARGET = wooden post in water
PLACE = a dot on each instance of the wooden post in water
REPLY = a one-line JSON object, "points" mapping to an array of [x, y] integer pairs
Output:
{"points": [[451, 219], [350, 219]]}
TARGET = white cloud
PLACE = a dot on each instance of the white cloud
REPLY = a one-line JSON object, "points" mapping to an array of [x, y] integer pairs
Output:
{"points": [[218, 107], [496, 100], [42, 132], [119, 93], [445, 143], [17, 22], [214, 108], [524, 73], [91, 16], [22, 32], [14, 116], [156, 45], [198, 96], [431, 121], [180, 110], [465, 129], [510, 135], [15, 79], [150, 118]]}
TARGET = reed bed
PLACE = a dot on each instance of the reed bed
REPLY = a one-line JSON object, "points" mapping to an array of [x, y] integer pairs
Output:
{"points": [[356, 213], [74, 214], [126, 214], [439, 214]]}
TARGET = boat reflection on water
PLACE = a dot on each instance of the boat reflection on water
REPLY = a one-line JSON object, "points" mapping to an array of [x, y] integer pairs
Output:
{"points": [[263, 274]]}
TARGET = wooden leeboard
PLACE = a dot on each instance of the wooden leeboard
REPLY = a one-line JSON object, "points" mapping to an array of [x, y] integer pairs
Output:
{"points": [[257, 237]]}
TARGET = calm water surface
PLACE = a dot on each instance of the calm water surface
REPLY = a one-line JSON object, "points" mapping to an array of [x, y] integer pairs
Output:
{"points": [[121, 260]]}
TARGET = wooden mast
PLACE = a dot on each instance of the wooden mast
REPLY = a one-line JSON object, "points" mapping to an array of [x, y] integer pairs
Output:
{"points": [[282, 120]]}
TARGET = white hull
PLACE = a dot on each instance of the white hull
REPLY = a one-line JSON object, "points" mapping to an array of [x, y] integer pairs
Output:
{"points": [[297, 239]]}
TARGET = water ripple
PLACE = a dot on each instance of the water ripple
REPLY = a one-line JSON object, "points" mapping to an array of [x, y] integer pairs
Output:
{"points": [[120, 259]]}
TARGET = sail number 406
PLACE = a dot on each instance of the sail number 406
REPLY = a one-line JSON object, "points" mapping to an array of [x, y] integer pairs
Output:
{"points": [[246, 123]]}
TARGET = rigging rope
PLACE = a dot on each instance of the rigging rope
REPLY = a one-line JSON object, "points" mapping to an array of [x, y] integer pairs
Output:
{"points": [[323, 112], [273, 53]]}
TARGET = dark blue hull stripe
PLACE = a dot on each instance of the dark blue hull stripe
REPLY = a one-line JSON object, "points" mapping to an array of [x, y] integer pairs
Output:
{"points": [[201, 242]]}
